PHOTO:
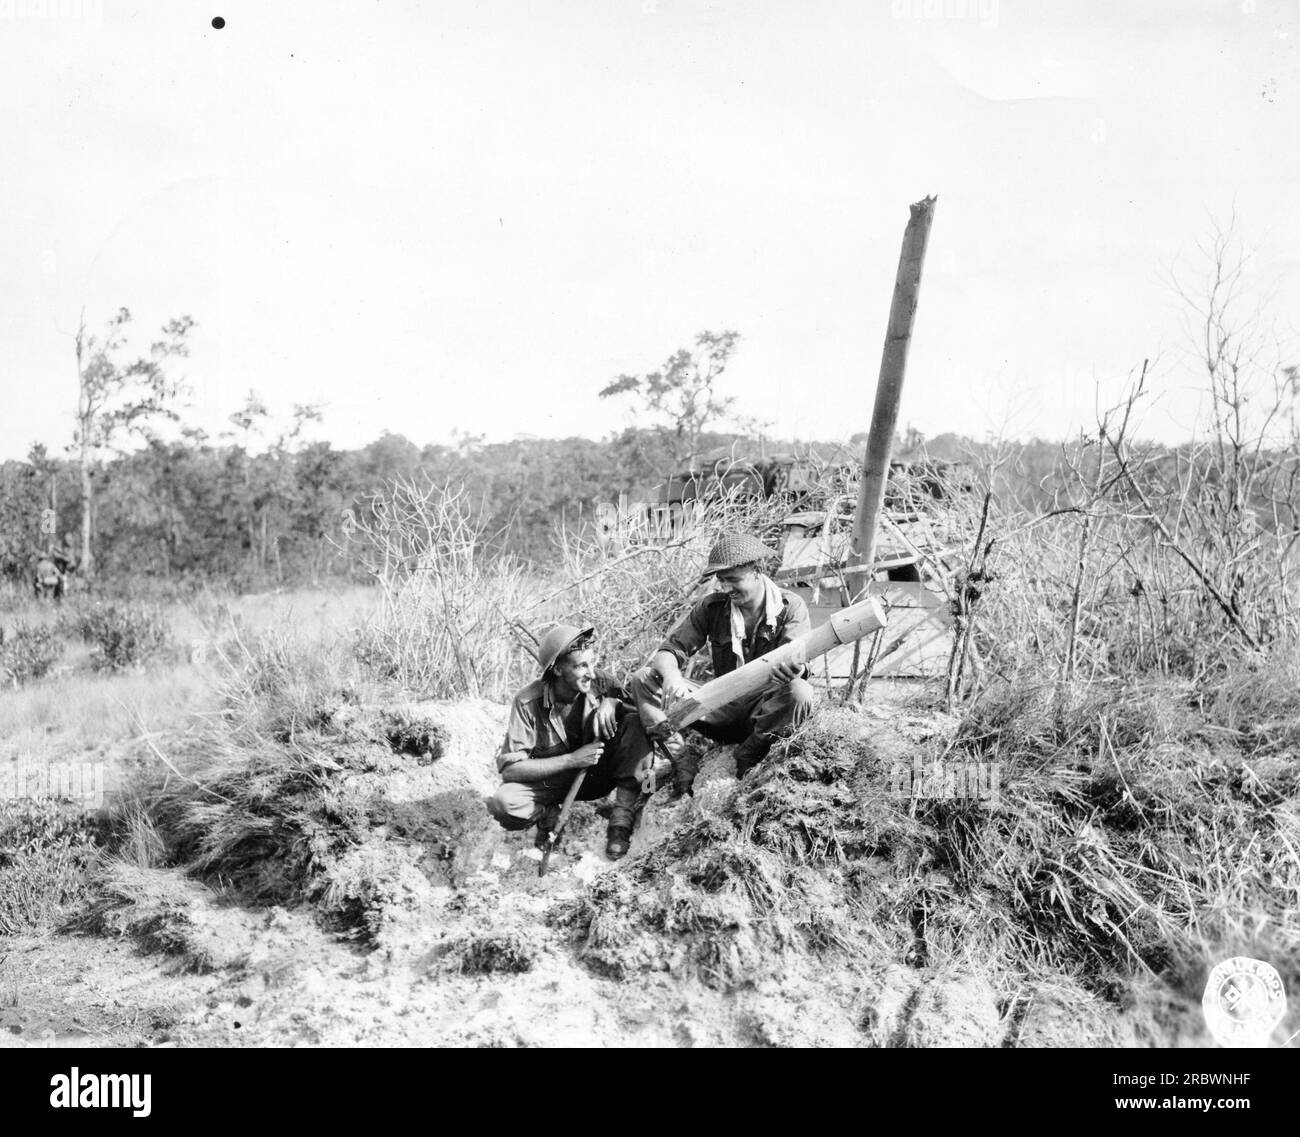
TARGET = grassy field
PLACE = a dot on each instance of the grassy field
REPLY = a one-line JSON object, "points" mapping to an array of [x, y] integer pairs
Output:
{"points": [[75, 713], [302, 774]]}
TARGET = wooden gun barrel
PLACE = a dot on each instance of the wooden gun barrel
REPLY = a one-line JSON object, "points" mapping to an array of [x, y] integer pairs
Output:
{"points": [[844, 627]]}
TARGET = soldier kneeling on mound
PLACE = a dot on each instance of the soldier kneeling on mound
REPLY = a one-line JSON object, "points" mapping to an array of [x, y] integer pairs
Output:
{"points": [[572, 718], [747, 617]]}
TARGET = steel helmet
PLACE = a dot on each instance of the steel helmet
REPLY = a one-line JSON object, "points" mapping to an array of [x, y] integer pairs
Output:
{"points": [[734, 549], [557, 641]]}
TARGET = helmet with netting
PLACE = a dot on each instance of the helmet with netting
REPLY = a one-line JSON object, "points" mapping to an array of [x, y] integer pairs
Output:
{"points": [[732, 550]]}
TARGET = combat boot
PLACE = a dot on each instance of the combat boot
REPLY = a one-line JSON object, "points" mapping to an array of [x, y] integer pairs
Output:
{"points": [[751, 752], [622, 820], [686, 764]]}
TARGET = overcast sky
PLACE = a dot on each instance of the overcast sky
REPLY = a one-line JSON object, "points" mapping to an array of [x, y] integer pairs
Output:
{"points": [[470, 217]]}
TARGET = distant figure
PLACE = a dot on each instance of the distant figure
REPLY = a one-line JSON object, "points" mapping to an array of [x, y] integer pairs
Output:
{"points": [[53, 567], [63, 556], [47, 581]]}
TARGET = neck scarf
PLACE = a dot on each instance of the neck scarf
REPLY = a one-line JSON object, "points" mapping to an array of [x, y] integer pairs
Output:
{"points": [[771, 608]]}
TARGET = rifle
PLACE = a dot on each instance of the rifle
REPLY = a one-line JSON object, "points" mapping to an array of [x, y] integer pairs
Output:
{"points": [[561, 821]]}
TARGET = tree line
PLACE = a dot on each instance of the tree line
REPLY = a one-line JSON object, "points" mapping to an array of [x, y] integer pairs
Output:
{"points": [[259, 504], [256, 511], [141, 493]]}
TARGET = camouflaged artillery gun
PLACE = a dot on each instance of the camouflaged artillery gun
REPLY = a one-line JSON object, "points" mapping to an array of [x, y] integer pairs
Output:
{"points": [[923, 532]]}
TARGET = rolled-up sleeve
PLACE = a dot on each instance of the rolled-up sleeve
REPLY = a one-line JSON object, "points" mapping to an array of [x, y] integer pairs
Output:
{"points": [[688, 635], [608, 687], [521, 736]]}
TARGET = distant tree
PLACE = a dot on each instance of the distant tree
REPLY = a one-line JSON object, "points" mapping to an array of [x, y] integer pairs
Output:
{"points": [[683, 394], [22, 497], [264, 488], [117, 398], [390, 456]]}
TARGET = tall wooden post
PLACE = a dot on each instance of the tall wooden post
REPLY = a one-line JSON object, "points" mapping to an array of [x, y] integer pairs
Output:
{"points": [[889, 388]]}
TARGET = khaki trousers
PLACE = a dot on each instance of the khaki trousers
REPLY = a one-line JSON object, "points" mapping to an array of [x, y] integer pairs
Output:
{"points": [[768, 713], [517, 805]]}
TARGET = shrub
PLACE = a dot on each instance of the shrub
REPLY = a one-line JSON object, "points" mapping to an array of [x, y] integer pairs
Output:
{"points": [[441, 628], [633, 586], [48, 850], [122, 635], [28, 654]]}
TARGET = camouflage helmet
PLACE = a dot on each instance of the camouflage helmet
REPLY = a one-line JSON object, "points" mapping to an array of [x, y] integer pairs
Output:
{"points": [[561, 638], [734, 549]]}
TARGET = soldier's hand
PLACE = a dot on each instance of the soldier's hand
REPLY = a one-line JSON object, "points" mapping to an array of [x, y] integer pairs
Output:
{"points": [[675, 687], [785, 671], [586, 756], [607, 719]]}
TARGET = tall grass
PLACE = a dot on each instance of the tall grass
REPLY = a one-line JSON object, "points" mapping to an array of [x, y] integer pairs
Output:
{"points": [[441, 627], [48, 851], [1135, 673], [27, 653], [633, 586]]}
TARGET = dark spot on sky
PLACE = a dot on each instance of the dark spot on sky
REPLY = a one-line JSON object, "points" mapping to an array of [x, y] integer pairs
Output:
{"points": [[218, 22]]}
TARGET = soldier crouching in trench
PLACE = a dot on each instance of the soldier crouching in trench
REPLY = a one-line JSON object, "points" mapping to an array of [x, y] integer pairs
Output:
{"points": [[747, 618], [569, 719]]}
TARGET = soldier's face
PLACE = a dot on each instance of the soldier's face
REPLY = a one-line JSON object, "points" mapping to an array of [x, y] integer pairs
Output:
{"points": [[743, 585], [574, 672]]}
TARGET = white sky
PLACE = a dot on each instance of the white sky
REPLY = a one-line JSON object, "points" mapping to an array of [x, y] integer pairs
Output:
{"points": [[462, 216]]}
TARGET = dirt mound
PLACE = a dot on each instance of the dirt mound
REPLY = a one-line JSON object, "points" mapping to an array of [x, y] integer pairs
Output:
{"points": [[751, 875], [820, 901], [172, 914], [817, 863], [364, 813]]}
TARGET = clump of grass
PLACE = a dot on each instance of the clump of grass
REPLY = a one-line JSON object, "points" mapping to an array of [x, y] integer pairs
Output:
{"points": [[48, 853], [157, 907], [258, 801], [1132, 835], [28, 653], [708, 903], [371, 888], [136, 839], [285, 797], [169, 913], [508, 952], [122, 634]]}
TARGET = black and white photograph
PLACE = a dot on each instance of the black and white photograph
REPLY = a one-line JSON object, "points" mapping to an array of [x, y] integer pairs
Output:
{"points": [[650, 524]]}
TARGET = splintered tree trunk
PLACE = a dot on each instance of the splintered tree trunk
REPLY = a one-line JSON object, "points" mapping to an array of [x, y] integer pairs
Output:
{"points": [[85, 424], [889, 388], [87, 566]]}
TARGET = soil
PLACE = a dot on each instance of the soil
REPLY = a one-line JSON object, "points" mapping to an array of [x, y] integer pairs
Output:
{"points": [[469, 947]]}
